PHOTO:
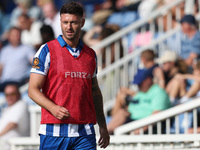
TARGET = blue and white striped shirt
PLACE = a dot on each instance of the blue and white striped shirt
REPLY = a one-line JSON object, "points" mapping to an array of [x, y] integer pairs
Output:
{"points": [[66, 130]]}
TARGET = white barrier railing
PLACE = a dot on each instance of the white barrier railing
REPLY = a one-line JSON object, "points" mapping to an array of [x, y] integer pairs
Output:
{"points": [[125, 142], [128, 142], [163, 115], [121, 72], [35, 118]]}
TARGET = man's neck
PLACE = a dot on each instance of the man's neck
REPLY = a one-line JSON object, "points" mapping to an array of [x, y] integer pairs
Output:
{"points": [[72, 43], [149, 64]]}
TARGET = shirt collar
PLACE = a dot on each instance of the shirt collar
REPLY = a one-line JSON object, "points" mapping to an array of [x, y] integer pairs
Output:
{"points": [[63, 43]]}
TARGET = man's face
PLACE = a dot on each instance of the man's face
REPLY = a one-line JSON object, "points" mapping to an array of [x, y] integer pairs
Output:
{"points": [[71, 26], [167, 66], [145, 84], [12, 94], [24, 23], [49, 10], [14, 37], [186, 27]]}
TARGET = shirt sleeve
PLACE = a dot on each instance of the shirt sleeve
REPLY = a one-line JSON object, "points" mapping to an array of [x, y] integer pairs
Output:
{"points": [[41, 61]]}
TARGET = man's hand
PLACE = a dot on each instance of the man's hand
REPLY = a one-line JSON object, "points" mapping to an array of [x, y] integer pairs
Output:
{"points": [[60, 112], [104, 139]]}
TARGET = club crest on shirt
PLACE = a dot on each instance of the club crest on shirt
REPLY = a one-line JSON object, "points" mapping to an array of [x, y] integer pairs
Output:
{"points": [[35, 63]]}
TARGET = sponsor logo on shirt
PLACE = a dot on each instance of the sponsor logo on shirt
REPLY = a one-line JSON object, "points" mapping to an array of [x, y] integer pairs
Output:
{"points": [[85, 75]]}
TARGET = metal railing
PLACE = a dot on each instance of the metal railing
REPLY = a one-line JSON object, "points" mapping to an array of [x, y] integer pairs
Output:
{"points": [[166, 117], [121, 71], [122, 141]]}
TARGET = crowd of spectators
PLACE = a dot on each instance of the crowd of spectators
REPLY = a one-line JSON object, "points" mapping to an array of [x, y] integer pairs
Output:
{"points": [[176, 71], [37, 22], [26, 25], [29, 24], [162, 83]]}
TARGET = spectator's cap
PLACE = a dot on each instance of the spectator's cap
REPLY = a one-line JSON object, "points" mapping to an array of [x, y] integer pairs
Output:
{"points": [[189, 19], [168, 56], [141, 75]]}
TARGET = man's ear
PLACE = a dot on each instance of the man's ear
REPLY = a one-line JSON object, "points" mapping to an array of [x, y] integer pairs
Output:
{"points": [[83, 22]]}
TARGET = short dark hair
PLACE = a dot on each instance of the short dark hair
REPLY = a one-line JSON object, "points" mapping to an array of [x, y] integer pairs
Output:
{"points": [[47, 29], [15, 28], [148, 54], [72, 8]]}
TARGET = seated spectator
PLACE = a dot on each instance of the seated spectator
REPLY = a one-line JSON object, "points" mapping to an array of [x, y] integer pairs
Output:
{"points": [[186, 86], [14, 121], [15, 60], [170, 65], [146, 7], [183, 89], [52, 16], [190, 45], [99, 33], [91, 37], [150, 99], [148, 61], [25, 7], [106, 32], [30, 31]]}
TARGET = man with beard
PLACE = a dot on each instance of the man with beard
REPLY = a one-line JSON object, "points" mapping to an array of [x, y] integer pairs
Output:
{"points": [[71, 101]]}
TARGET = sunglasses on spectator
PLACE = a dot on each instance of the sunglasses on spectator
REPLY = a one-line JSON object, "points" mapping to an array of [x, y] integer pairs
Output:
{"points": [[11, 94]]}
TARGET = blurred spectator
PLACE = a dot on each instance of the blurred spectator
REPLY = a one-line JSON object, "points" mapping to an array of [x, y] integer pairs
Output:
{"points": [[4, 21], [186, 86], [30, 31], [91, 37], [150, 99], [47, 33], [170, 65], [146, 7], [14, 121], [99, 33], [25, 7], [106, 32], [15, 60], [190, 45], [148, 61], [128, 17], [52, 17], [167, 61]]}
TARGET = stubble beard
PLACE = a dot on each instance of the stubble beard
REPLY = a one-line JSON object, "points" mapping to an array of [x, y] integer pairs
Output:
{"points": [[72, 38]]}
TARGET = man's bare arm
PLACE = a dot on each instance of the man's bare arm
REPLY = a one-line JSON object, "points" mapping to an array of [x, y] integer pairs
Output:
{"points": [[10, 126], [35, 84], [98, 104]]}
